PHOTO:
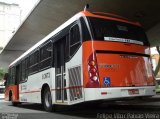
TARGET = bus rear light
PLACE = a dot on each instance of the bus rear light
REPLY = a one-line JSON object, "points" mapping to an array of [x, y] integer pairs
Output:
{"points": [[93, 71], [92, 63], [94, 78]]}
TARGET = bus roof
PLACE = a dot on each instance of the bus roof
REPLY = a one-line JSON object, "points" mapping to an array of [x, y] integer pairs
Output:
{"points": [[68, 22], [71, 20]]}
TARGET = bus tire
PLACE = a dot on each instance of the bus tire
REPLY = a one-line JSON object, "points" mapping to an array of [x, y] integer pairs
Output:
{"points": [[47, 100], [14, 103], [11, 99]]}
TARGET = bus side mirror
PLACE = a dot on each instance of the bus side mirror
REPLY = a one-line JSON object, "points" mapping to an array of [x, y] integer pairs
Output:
{"points": [[5, 76]]}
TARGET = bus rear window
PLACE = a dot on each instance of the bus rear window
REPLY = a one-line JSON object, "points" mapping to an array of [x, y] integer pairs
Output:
{"points": [[104, 29]]}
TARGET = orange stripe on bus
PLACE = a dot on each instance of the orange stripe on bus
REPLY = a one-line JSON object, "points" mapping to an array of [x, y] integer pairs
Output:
{"points": [[30, 92], [86, 13], [73, 87]]}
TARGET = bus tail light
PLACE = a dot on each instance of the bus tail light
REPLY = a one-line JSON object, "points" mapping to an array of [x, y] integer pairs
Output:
{"points": [[93, 71]]}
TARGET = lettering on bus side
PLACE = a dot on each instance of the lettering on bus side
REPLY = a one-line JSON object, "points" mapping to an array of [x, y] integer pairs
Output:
{"points": [[23, 87], [110, 66], [46, 75]]}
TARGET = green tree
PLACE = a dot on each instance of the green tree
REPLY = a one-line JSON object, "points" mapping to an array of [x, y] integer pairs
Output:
{"points": [[2, 72], [158, 66]]}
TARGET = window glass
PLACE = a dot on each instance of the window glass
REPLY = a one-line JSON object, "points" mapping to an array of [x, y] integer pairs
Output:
{"points": [[26, 67], [114, 29], [85, 33], [12, 76], [74, 48], [33, 62], [46, 51], [74, 35], [46, 56], [74, 39], [23, 70], [66, 48], [36, 57]]}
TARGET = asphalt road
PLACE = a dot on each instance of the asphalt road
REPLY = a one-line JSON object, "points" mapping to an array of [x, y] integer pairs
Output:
{"points": [[143, 108]]}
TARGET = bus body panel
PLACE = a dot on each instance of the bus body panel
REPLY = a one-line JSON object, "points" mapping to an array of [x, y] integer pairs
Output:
{"points": [[113, 46], [13, 89], [75, 78], [30, 91], [119, 46], [86, 13], [108, 58], [122, 69], [117, 93]]}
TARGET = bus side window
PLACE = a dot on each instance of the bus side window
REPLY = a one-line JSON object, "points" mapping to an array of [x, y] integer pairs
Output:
{"points": [[9, 77], [85, 32], [12, 81], [33, 62], [23, 70], [46, 55], [74, 39], [67, 48], [26, 67]]}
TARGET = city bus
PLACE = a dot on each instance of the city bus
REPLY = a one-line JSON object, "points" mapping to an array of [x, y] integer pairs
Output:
{"points": [[91, 57]]}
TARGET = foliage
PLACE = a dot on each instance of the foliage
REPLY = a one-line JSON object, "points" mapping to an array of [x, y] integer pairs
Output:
{"points": [[158, 66], [2, 72]]}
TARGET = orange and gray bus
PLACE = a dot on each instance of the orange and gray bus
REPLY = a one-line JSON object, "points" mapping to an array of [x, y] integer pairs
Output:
{"points": [[91, 57]]}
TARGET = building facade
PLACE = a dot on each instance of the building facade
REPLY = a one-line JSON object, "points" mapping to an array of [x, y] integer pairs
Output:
{"points": [[10, 18]]}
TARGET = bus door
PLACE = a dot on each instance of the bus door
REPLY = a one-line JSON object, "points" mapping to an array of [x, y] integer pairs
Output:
{"points": [[17, 79], [60, 82]]}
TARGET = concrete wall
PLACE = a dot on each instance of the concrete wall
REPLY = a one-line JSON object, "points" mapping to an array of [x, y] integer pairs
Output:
{"points": [[10, 15], [154, 35], [7, 57]]}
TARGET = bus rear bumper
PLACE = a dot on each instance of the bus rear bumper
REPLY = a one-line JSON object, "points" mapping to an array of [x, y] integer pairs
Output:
{"points": [[119, 92]]}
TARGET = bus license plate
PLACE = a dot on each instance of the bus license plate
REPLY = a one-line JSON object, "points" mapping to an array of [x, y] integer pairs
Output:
{"points": [[133, 91]]}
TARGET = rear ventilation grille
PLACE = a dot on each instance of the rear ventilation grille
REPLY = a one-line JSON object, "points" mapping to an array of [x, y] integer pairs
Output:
{"points": [[75, 85]]}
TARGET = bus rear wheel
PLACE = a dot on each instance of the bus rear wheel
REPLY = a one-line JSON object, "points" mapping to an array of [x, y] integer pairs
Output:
{"points": [[47, 100], [11, 99], [15, 103]]}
